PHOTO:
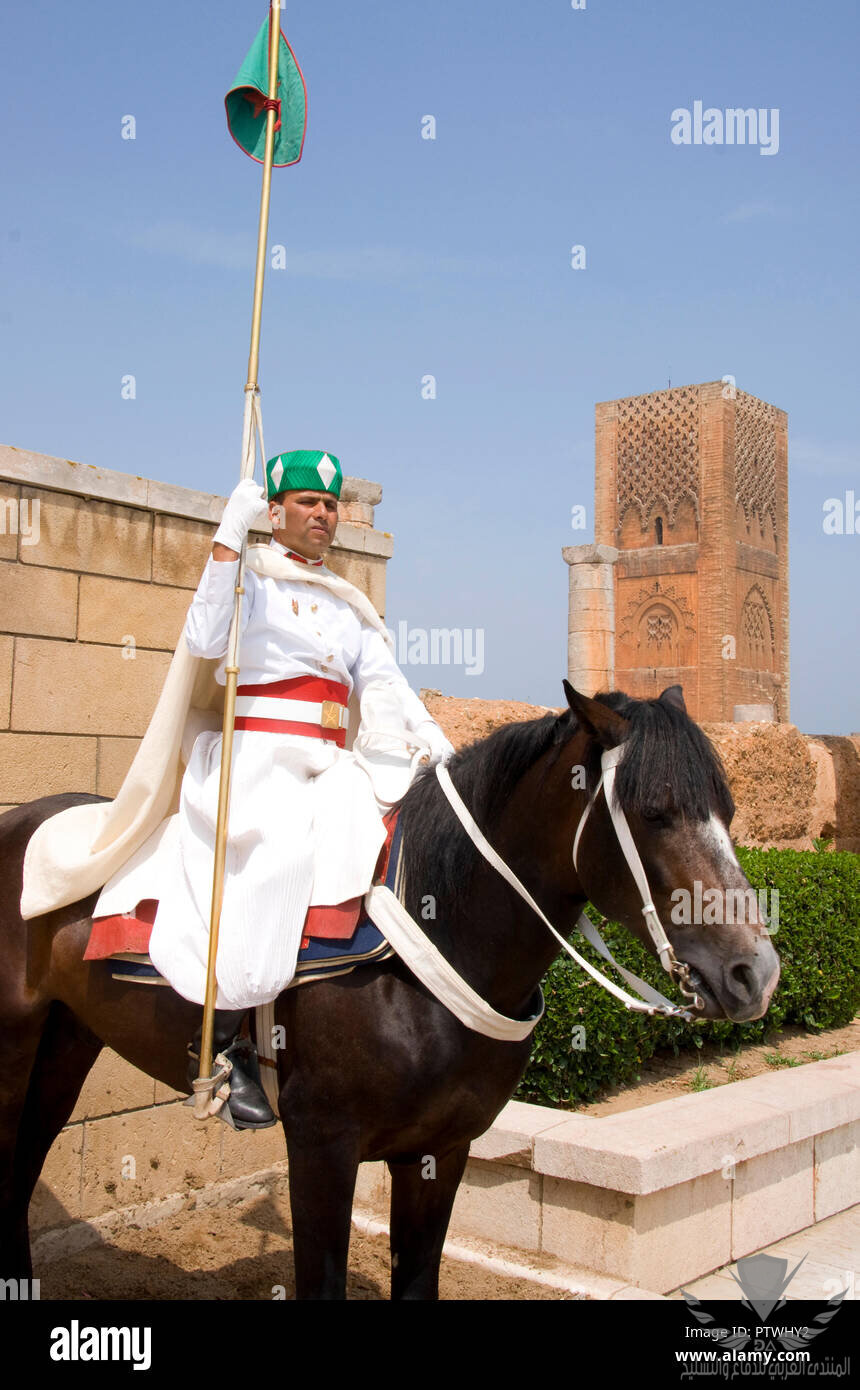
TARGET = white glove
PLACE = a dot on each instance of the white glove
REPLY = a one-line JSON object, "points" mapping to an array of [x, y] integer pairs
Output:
{"points": [[440, 748], [246, 506]]}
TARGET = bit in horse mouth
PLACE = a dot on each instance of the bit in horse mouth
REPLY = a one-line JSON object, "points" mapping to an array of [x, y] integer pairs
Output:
{"points": [[697, 983]]}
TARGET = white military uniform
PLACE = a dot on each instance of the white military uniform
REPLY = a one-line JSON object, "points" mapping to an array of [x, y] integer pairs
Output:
{"points": [[305, 826]]}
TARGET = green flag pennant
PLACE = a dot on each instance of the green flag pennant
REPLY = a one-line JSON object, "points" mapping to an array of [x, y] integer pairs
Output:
{"points": [[246, 102]]}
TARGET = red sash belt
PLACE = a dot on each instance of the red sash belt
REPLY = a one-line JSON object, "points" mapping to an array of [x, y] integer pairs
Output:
{"points": [[329, 697]]}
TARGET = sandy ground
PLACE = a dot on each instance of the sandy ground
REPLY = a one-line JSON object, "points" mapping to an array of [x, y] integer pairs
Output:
{"points": [[666, 1076], [244, 1252]]}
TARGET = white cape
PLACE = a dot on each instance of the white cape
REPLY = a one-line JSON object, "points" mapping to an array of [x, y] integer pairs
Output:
{"points": [[74, 853]]}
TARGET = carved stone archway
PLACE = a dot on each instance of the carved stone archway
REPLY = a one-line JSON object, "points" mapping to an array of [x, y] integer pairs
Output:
{"points": [[656, 626], [756, 630]]}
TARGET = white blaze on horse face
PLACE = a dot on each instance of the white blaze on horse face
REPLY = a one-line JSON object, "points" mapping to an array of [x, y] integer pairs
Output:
{"points": [[719, 842]]}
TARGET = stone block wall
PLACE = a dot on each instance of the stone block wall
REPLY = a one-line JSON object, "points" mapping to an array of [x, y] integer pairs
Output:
{"points": [[130, 1140]]}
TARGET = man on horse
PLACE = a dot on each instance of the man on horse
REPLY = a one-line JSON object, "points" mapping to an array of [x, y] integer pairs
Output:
{"points": [[305, 823]]}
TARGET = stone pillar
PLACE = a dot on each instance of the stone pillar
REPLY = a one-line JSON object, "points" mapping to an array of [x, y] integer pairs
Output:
{"points": [[591, 617]]}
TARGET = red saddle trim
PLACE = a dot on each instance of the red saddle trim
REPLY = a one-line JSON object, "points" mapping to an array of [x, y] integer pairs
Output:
{"points": [[337, 923], [128, 931]]}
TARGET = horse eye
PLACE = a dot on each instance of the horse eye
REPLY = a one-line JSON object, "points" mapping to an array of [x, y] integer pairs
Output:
{"points": [[650, 814]]}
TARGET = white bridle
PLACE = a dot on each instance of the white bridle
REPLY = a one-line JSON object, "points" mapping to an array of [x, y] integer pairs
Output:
{"points": [[609, 761], [651, 1001], [425, 960]]}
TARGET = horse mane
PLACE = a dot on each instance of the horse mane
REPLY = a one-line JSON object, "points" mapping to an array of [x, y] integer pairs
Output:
{"points": [[669, 765]]}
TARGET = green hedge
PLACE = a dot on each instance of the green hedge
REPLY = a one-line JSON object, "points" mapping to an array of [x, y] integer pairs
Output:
{"points": [[818, 940]]}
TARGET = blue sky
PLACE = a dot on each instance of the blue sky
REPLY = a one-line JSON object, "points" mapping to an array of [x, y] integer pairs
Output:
{"points": [[449, 257]]}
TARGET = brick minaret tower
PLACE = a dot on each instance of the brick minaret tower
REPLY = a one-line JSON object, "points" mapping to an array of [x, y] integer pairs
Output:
{"points": [[687, 581]]}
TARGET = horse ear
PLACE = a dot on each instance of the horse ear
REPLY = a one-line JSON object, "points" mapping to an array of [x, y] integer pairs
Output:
{"points": [[674, 695], [601, 722]]}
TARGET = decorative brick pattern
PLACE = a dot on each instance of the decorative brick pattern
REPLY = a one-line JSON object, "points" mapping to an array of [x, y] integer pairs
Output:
{"points": [[658, 451], [757, 631], [755, 459], [658, 628]]}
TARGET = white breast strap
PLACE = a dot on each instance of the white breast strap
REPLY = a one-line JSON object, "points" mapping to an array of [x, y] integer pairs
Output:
{"points": [[658, 1003], [427, 963]]}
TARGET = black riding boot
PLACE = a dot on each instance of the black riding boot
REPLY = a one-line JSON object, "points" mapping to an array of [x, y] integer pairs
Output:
{"points": [[248, 1105]]}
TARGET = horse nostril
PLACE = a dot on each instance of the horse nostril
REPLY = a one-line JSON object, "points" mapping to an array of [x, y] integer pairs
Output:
{"points": [[742, 980]]}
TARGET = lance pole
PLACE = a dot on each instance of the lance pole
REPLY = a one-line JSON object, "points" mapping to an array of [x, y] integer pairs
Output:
{"points": [[204, 1086]]}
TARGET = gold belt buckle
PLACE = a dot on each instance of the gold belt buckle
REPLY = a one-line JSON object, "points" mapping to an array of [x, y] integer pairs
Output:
{"points": [[331, 714]]}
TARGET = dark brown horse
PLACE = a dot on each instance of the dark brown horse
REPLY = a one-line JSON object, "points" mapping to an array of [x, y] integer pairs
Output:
{"points": [[411, 1081]]}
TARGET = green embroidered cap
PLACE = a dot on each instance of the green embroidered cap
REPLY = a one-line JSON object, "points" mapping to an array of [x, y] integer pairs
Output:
{"points": [[311, 469]]}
